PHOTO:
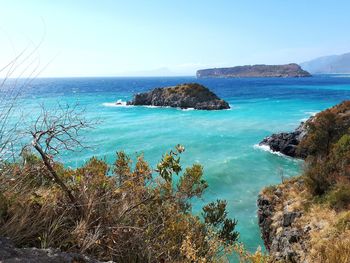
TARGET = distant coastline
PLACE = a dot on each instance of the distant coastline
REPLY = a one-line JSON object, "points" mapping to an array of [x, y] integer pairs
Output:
{"points": [[255, 71]]}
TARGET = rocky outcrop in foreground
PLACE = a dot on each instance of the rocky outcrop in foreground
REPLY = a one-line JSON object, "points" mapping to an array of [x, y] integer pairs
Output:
{"points": [[287, 142], [278, 215], [10, 254], [256, 71], [190, 95]]}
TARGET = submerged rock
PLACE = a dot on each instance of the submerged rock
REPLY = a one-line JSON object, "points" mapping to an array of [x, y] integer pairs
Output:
{"points": [[190, 95]]}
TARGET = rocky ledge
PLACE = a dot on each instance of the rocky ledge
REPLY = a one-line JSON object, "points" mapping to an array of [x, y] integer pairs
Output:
{"points": [[10, 254], [189, 95], [287, 142], [255, 71]]}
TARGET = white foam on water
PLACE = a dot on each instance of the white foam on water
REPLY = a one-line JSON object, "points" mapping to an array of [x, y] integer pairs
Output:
{"points": [[309, 114], [118, 103], [188, 109], [154, 107], [267, 148]]}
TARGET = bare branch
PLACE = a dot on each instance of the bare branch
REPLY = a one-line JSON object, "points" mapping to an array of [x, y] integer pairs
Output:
{"points": [[55, 131]]}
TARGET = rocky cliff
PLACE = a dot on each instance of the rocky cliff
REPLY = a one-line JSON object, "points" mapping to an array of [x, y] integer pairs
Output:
{"points": [[299, 222], [190, 95], [279, 215], [279, 71]]}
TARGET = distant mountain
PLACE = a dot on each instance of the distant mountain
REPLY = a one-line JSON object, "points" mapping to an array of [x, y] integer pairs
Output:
{"points": [[255, 71], [328, 65]]}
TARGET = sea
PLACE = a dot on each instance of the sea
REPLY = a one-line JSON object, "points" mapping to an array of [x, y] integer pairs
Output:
{"points": [[225, 142]]}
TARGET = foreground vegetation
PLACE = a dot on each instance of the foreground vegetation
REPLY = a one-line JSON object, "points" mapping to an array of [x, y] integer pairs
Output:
{"points": [[123, 212], [120, 213]]}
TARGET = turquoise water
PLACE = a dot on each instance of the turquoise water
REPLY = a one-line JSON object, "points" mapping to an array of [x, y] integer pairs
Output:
{"points": [[223, 141]]}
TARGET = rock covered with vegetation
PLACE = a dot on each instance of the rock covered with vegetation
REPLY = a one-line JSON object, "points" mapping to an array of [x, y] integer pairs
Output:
{"points": [[307, 219], [189, 95], [279, 217], [255, 71]]}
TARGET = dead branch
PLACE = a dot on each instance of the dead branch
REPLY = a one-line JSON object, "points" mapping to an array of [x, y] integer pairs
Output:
{"points": [[55, 131]]}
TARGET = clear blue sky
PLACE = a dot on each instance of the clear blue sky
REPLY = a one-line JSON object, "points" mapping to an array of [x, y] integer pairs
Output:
{"points": [[161, 37]]}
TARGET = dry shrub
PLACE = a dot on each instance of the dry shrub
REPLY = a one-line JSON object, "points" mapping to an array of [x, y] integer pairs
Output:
{"points": [[246, 257], [127, 213]]}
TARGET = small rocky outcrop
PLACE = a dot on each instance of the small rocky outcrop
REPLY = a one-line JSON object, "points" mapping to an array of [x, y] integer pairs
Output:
{"points": [[10, 254], [287, 142], [255, 71], [190, 95]]}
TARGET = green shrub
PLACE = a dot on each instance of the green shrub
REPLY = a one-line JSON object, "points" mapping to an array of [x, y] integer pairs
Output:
{"points": [[343, 222], [339, 197]]}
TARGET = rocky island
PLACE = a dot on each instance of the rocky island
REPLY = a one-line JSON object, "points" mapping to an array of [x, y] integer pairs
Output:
{"points": [[255, 71], [188, 95]]}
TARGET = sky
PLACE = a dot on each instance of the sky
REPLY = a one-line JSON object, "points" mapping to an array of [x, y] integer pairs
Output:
{"points": [[163, 37]]}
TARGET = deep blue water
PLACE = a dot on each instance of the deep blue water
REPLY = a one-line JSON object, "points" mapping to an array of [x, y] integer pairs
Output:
{"points": [[223, 141]]}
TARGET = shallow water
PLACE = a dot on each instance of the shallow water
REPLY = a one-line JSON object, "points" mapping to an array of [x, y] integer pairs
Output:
{"points": [[223, 141]]}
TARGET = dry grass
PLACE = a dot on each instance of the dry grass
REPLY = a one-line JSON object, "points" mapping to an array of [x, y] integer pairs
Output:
{"points": [[334, 248]]}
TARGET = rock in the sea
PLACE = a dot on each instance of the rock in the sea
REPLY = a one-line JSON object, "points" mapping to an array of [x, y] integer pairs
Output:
{"points": [[287, 142], [255, 71], [190, 95]]}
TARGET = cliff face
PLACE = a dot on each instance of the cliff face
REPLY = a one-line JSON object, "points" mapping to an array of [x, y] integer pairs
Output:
{"points": [[191, 95], [280, 215], [280, 71]]}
